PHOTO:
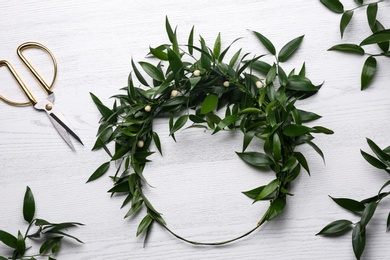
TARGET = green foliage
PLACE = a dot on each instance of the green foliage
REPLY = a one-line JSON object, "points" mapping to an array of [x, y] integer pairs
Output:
{"points": [[248, 95], [380, 36], [41, 231], [365, 208]]}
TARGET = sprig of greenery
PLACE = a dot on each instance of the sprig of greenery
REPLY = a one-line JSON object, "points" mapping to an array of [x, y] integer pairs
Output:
{"points": [[49, 234], [365, 209], [195, 84], [380, 36]]}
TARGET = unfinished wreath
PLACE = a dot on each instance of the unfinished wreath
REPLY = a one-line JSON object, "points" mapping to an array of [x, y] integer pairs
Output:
{"points": [[191, 83]]}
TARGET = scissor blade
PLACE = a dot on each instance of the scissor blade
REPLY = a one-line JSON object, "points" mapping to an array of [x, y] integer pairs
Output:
{"points": [[67, 128], [63, 133], [58, 120]]}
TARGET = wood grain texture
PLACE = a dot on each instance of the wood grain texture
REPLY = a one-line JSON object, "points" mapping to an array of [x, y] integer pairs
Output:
{"points": [[94, 42]]}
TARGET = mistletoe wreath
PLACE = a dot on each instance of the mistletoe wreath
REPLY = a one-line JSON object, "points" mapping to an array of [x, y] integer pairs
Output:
{"points": [[259, 99]]}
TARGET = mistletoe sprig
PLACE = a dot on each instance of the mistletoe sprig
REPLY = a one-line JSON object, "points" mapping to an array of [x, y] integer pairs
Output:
{"points": [[380, 36], [195, 84], [49, 234], [365, 208]]}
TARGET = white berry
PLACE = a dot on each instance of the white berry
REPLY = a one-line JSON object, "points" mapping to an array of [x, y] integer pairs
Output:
{"points": [[196, 73], [148, 108], [174, 93], [226, 84], [259, 84], [140, 144]]}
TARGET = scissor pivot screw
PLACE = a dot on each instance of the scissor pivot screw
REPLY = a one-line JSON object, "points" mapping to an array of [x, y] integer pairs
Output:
{"points": [[48, 107]]}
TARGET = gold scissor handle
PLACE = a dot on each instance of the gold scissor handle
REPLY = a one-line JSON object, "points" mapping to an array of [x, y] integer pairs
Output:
{"points": [[26, 91], [29, 45], [47, 88]]}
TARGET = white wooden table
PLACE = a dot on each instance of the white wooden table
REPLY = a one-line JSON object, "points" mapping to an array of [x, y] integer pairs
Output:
{"points": [[199, 180]]}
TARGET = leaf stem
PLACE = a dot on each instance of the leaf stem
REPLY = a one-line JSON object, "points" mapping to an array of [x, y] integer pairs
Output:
{"points": [[360, 6], [261, 222], [28, 228]]}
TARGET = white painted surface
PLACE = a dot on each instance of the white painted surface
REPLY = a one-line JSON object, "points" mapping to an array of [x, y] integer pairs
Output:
{"points": [[199, 179]]}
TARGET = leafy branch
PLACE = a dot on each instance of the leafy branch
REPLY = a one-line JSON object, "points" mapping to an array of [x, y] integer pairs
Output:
{"points": [[50, 234], [256, 98], [380, 36], [366, 208]]}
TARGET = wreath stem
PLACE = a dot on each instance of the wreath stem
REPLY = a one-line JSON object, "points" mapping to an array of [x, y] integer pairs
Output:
{"points": [[263, 219]]}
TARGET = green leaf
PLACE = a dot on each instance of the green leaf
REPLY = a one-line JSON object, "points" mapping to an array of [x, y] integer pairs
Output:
{"points": [[296, 130], [282, 76], [348, 48], [28, 205], [384, 186], [337, 227], [234, 59], [8, 239], [197, 119], [345, 19], [271, 75], [248, 137], [372, 11], [368, 72], [159, 54], [277, 147], [152, 71], [171, 35], [249, 110], [191, 41], [104, 111], [217, 46], [254, 192], [368, 213], [289, 163], [289, 49], [317, 149], [20, 244], [255, 159], [388, 223], [261, 67], [102, 139], [294, 173], [145, 223], [302, 160], [138, 74], [157, 142], [300, 83], [175, 62], [276, 207], [209, 104], [306, 116], [385, 158], [99, 171], [359, 2], [226, 122], [267, 43], [358, 240], [49, 244], [321, 129], [379, 27], [180, 122], [350, 204], [373, 161], [134, 208], [302, 72], [334, 5], [378, 37], [271, 187]]}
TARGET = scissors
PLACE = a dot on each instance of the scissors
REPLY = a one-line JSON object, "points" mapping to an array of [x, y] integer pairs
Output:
{"points": [[59, 121]]}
